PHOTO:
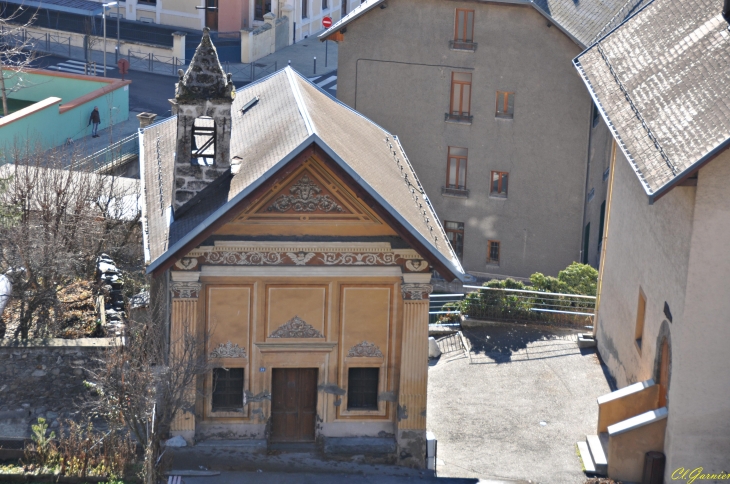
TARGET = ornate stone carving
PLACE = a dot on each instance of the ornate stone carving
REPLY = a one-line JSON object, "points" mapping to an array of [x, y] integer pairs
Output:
{"points": [[305, 198], [187, 263], [416, 265], [244, 258], [296, 327], [416, 291], [350, 259], [300, 258], [185, 290], [365, 349], [228, 350]]}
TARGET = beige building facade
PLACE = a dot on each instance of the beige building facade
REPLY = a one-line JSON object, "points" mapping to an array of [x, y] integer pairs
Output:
{"points": [[302, 260], [484, 98], [663, 309]]}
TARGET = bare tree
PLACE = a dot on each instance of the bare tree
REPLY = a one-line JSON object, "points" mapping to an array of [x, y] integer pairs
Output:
{"points": [[17, 53], [60, 221], [142, 381]]}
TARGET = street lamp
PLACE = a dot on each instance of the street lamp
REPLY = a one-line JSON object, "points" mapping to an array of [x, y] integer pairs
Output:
{"points": [[103, 17]]}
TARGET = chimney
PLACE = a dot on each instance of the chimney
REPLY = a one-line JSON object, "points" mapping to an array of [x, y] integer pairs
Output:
{"points": [[145, 119], [203, 99], [726, 11]]}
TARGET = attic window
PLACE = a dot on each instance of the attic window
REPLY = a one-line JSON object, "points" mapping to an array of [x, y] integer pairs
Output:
{"points": [[203, 142]]}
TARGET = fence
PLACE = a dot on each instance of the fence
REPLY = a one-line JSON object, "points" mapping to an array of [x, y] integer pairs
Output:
{"points": [[113, 156], [501, 304]]}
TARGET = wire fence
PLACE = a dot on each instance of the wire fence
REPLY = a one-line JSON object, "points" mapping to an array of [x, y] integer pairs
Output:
{"points": [[518, 305]]}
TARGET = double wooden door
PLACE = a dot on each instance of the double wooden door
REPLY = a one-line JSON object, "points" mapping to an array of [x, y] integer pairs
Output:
{"points": [[293, 404]]}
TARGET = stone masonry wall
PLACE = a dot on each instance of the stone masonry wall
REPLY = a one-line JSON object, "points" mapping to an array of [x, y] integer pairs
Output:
{"points": [[43, 378]]}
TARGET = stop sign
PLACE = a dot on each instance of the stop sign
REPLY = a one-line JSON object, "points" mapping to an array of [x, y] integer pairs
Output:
{"points": [[327, 22]]}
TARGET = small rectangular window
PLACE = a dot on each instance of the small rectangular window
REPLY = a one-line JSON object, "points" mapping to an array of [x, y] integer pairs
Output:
{"points": [[492, 252], [305, 8], [362, 388], [325, 5], [203, 141], [640, 316], [505, 104], [460, 95], [586, 243], [227, 389], [455, 234], [261, 8], [456, 168], [500, 181], [464, 26]]}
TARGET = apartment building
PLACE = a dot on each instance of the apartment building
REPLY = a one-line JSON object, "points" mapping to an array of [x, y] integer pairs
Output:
{"points": [[484, 98]]}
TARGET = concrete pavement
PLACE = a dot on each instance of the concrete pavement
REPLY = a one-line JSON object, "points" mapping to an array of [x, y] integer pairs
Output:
{"points": [[309, 478]]}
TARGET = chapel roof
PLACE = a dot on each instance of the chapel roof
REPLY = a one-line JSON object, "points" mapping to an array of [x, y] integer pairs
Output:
{"points": [[583, 21], [661, 82], [290, 115]]}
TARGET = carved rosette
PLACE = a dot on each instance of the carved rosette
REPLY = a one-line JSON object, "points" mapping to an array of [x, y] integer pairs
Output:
{"points": [[416, 292], [228, 350], [185, 290], [305, 197], [296, 327], [366, 350]]}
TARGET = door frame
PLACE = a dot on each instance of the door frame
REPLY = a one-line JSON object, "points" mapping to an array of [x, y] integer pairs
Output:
{"points": [[299, 393]]}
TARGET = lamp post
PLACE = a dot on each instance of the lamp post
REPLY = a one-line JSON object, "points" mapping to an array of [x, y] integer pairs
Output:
{"points": [[103, 18]]}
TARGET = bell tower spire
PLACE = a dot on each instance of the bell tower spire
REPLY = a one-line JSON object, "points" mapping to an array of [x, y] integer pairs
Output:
{"points": [[203, 99]]}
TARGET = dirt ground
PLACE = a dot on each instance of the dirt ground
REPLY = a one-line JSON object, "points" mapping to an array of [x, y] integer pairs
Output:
{"points": [[516, 405]]}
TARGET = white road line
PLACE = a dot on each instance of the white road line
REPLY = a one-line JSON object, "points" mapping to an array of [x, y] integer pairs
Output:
{"points": [[329, 79]]}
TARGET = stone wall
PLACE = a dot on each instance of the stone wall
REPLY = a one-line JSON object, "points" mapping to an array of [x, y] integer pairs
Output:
{"points": [[43, 378]]}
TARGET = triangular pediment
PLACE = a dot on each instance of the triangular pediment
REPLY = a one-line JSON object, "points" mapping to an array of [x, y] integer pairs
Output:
{"points": [[310, 200]]}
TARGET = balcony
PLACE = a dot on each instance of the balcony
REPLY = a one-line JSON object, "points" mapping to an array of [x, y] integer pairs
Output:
{"points": [[458, 118], [455, 191], [461, 45]]}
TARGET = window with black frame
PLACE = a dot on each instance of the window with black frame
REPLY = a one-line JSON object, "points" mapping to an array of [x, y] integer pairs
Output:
{"points": [[261, 8], [362, 388], [227, 389], [203, 142]]}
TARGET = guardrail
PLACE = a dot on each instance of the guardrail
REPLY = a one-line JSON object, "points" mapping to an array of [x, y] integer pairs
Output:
{"points": [[114, 155], [444, 308]]}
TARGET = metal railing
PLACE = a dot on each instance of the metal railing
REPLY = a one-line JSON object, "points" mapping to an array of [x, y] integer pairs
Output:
{"points": [[504, 304], [444, 308], [114, 155]]}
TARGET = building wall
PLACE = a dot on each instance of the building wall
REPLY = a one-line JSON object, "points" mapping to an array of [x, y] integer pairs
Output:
{"points": [[395, 67], [698, 432], [312, 23], [647, 247]]}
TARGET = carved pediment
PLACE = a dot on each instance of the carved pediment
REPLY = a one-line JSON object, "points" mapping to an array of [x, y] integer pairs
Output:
{"points": [[228, 350], [305, 196], [296, 327], [365, 349]]}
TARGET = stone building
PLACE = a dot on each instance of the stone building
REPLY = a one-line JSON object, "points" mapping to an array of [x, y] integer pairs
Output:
{"points": [[293, 232], [660, 81], [486, 102]]}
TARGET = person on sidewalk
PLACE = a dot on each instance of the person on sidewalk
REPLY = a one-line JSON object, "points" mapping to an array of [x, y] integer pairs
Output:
{"points": [[94, 120]]}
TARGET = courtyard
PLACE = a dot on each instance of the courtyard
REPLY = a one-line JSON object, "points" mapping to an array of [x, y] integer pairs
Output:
{"points": [[515, 405]]}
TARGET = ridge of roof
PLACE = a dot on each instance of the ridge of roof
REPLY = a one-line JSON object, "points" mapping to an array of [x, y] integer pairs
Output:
{"points": [[298, 97]]}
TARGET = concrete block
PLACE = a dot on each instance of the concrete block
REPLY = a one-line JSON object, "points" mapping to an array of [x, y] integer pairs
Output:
{"points": [[359, 445], [598, 453]]}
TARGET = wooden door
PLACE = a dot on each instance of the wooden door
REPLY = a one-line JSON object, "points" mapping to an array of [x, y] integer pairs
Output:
{"points": [[211, 14], [293, 404], [664, 374]]}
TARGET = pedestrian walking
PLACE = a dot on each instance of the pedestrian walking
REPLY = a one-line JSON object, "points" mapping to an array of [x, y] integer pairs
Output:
{"points": [[94, 120]]}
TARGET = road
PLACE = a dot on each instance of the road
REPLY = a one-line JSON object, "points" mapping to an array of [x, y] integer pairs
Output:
{"points": [[147, 93]]}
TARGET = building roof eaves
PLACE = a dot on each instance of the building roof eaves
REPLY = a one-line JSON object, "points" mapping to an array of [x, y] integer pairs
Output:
{"points": [[357, 12]]}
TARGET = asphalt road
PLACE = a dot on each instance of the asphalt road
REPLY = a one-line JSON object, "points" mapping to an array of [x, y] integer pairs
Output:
{"points": [[147, 93]]}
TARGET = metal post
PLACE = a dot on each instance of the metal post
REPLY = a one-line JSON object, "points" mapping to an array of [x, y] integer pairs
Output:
{"points": [[116, 57], [103, 19], [294, 34], [315, 64], [326, 52], [252, 71], [149, 56], [48, 42]]}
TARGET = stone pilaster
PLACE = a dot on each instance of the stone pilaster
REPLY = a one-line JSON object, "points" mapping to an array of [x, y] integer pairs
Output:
{"points": [[183, 318], [413, 375]]}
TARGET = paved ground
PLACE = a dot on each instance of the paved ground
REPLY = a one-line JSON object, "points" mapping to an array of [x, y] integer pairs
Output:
{"points": [[516, 407], [303, 478]]}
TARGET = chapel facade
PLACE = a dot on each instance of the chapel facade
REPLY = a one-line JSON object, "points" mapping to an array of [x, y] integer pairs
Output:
{"points": [[292, 233]]}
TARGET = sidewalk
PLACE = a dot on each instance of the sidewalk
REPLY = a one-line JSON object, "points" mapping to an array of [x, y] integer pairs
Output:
{"points": [[300, 54]]}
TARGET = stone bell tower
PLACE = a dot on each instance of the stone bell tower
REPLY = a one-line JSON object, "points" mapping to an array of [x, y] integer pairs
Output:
{"points": [[203, 99]]}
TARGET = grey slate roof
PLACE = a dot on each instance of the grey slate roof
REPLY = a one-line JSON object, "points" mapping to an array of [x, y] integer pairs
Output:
{"points": [[291, 114], [661, 82], [583, 20]]}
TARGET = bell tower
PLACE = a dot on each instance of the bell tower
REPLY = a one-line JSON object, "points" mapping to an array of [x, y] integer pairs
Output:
{"points": [[203, 99]]}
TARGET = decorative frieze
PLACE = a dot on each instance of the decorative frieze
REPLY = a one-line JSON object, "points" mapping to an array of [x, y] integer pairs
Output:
{"points": [[296, 327], [350, 259], [366, 350], [416, 291], [185, 290], [228, 350], [244, 258], [304, 197], [260, 258]]}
